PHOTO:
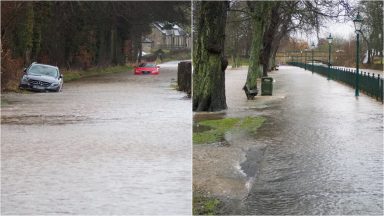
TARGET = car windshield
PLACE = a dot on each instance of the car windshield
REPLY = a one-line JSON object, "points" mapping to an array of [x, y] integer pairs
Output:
{"points": [[43, 70], [147, 65]]}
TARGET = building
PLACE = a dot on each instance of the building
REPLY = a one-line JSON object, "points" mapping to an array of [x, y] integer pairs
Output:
{"points": [[166, 36]]}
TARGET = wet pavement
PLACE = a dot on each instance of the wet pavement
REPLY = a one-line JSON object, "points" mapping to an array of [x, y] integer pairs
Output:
{"points": [[319, 152], [114, 144]]}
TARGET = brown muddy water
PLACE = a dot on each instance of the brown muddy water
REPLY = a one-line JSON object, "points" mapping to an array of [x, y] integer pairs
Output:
{"points": [[323, 150], [320, 150], [115, 144]]}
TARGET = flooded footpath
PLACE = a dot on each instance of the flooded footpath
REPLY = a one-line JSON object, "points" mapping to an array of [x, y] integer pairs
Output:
{"points": [[114, 144], [320, 150]]}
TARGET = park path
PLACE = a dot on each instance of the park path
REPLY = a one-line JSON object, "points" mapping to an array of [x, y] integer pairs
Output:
{"points": [[320, 150], [114, 144]]}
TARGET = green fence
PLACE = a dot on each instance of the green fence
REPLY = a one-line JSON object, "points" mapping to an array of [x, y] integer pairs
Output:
{"points": [[368, 83]]}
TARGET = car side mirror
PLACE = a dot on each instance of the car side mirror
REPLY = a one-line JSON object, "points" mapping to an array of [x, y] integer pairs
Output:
{"points": [[61, 76], [25, 70]]}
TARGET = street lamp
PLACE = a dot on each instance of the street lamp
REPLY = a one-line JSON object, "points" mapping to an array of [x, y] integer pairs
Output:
{"points": [[305, 60], [329, 38], [313, 48], [301, 56], [381, 56], [358, 21]]}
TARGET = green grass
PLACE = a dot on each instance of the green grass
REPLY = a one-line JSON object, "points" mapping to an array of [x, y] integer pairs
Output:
{"points": [[251, 123], [221, 126], [203, 205], [69, 75], [78, 74], [4, 102]]}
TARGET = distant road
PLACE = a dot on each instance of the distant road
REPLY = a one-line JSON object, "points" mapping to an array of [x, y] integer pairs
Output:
{"points": [[171, 63]]}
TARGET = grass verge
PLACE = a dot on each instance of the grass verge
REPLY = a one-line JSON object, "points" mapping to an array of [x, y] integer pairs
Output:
{"points": [[204, 205], [4, 102], [217, 128], [71, 75]]}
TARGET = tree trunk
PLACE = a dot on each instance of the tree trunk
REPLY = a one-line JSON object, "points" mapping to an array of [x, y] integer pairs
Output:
{"points": [[273, 59], [113, 46], [258, 11], [209, 62], [184, 70], [29, 33], [269, 37]]}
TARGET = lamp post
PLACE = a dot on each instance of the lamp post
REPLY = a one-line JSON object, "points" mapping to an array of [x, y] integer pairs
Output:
{"points": [[329, 38], [305, 59], [381, 56], [358, 21], [313, 47], [301, 56]]}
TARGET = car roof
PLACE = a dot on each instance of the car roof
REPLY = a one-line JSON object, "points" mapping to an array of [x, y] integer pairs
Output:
{"points": [[34, 63]]}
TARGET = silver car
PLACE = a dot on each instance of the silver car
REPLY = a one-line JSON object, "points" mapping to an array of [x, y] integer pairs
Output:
{"points": [[42, 77]]}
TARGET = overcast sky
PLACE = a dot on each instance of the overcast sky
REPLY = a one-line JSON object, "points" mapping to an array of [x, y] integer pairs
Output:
{"points": [[344, 30], [341, 30]]}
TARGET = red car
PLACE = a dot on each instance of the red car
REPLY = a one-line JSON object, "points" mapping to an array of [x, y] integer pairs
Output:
{"points": [[147, 68]]}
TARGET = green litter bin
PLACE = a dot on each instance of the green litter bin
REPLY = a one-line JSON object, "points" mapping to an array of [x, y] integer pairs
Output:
{"points": [[266, 85]]}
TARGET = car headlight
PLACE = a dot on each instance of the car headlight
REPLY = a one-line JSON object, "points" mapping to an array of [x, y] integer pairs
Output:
{"points": [[25, 79]]}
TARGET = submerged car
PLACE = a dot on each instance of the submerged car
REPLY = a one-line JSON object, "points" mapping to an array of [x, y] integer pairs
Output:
{"points": [[147, 68], [42, 77]]}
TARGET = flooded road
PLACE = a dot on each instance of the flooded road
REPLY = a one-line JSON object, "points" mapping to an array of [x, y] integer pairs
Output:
{"points": [[114, 144], [320, 150]]}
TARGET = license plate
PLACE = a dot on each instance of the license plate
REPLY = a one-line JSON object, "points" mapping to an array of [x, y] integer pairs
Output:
{"points": [[38, 87]]}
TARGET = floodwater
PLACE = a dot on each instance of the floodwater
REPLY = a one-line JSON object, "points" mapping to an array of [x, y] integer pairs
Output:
{"points": [[320, 150], [115, 144]]}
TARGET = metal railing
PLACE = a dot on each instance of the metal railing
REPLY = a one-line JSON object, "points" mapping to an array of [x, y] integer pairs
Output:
{"points": [[368, 83]]}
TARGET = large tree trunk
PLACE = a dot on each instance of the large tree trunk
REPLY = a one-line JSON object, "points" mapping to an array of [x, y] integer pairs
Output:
{"points": [[272, 59], [113, 46], [29, 33], [259, 10], [269, 37], [184, 70], [209, 62]]}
